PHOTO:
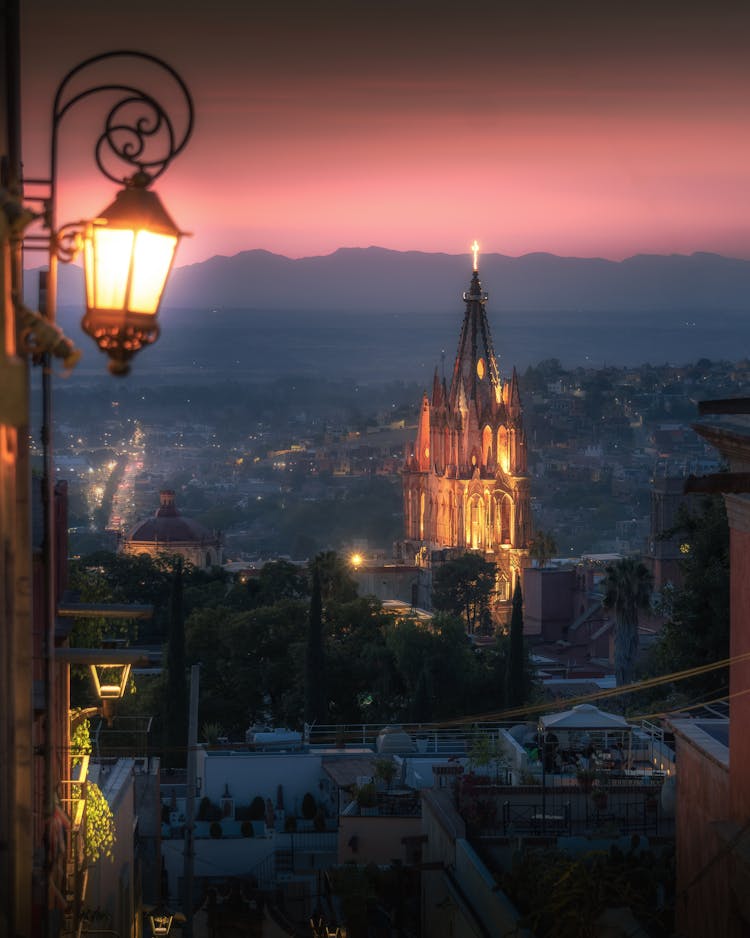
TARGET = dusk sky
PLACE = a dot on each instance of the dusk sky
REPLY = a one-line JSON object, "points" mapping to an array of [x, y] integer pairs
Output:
{"points": [[575, 128]]}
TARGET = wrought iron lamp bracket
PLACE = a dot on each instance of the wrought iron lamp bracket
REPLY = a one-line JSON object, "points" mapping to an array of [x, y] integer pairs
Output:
{"points": [[138, 136], [138, 131]]}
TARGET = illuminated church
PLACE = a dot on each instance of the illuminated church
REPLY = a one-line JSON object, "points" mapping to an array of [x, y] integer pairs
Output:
{"points": [[465, 482]]}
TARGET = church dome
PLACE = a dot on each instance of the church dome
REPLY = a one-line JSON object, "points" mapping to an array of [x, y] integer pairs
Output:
{"points": [[167, 532]]}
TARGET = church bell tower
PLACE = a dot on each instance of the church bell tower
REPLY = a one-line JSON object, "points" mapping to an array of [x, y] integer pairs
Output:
{"points": [[465, 481]]}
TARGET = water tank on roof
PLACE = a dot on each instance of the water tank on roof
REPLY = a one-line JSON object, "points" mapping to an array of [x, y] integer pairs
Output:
{"points": [[394, 739]]}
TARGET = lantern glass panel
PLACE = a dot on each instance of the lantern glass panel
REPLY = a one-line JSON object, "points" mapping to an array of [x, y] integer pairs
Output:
{"points": [[112, 249], [88, 267], [152, 259], [110, 680]]}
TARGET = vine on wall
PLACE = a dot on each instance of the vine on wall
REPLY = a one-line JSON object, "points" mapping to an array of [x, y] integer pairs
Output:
{"points": [[100, 832]]}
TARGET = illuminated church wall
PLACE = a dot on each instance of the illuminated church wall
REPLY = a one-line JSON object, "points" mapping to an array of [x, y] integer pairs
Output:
{"points": [[465, 479]]}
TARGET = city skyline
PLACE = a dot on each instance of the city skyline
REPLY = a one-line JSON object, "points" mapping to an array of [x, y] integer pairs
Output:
{"points": [[582, 132]]}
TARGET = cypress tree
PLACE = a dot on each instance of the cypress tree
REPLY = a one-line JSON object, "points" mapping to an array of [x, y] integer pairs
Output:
{"points": [[176, 703], [315, 695], [420, 710], [515, 674]]}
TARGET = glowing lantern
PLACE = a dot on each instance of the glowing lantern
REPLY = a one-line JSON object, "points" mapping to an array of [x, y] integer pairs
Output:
{"points": [[128, 253], [110, 681], [160, 921]]}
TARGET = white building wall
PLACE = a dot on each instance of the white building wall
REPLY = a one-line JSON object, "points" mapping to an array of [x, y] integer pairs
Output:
{"points": [[249, 774]]}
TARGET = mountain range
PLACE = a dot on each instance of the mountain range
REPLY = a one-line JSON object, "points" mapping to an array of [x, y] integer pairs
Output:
{"points": [[379, 280]]}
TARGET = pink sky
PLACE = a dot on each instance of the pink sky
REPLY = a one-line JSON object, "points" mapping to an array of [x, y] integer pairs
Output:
{"points": [[421, 125]]}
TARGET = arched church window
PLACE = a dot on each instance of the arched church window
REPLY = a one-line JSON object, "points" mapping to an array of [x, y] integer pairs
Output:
{"points": [[503, 459], [486, 446], [505, 510], [476, 523]]}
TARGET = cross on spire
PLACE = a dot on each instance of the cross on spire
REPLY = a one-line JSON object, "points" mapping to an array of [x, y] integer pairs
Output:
{"points": [[475, 249]]}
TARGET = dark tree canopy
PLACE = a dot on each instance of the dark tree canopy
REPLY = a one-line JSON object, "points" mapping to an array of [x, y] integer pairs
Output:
{"points": [[337, 585], [627, 591], [543, 547], [697, 629], [464, 587], [176, 692], [315, 680]]}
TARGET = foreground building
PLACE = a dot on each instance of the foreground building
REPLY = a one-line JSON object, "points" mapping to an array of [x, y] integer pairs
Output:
{"points": [[713, 806], [465, 481]]}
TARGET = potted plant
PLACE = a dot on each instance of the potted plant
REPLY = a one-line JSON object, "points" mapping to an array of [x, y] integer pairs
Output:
{"points": [[247, 829], [257, 809], [385, 770], [586, 778], [652, 802], [599, 798], [309, 807], [215, 830], [367, 799]]}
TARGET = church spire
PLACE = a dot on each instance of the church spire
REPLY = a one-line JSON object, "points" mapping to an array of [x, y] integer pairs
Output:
{"points": [[475, 368]]}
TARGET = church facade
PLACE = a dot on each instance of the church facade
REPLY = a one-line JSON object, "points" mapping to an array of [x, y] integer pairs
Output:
{"points": [[465, 482]]}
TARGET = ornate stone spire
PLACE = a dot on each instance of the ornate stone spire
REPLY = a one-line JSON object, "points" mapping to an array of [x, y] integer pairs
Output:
{"points": [[475, 368]]}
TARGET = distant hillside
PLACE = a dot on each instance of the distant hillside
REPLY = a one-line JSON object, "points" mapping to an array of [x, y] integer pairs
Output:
{"points": [[376, 279]]}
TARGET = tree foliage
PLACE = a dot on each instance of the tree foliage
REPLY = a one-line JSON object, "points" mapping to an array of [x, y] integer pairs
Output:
{"points": [[176, 693], [627, 591], [100, 832], [252, 644], [543, 548], [563, 896], [697, 629], [315, 695], [464, 587]]}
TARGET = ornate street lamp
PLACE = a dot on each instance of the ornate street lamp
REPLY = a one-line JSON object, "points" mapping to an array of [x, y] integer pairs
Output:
{"points": [[110, 683], [160, 921], [127, 256], [110, 670], [129, 248]]}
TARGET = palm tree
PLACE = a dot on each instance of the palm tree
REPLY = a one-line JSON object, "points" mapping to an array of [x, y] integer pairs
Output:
{"points": [[543, 548], [627, 591]]}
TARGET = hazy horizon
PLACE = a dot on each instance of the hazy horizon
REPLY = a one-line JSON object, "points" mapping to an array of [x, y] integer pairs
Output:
{"points": [[577, 130]]}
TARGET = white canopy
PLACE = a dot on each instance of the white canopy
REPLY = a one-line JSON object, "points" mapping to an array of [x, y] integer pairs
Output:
{"points": [[584, 717]]}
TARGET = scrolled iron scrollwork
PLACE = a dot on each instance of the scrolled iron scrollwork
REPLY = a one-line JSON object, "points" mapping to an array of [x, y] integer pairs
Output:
{"points": [[67, 241], [138, 129]]}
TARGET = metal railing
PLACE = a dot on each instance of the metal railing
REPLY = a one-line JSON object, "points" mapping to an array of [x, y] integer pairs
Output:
{"points": [[428, 738]]}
